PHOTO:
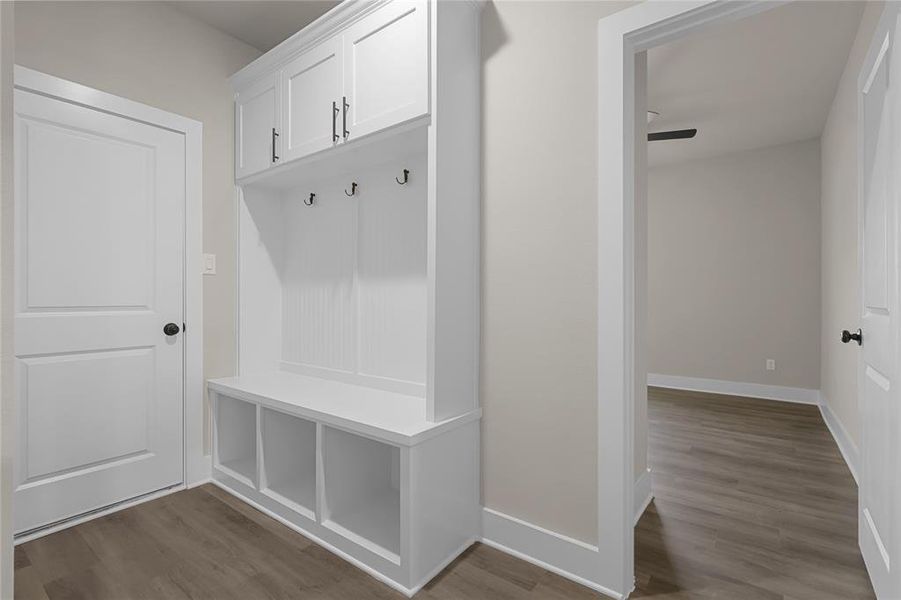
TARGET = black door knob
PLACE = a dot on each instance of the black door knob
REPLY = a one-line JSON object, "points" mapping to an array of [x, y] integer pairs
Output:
{"points": [[857, 336], [170, 329]]}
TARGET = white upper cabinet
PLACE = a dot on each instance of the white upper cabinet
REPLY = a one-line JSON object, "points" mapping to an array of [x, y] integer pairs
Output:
{"points": [[311, 96], [298, 100], [256, 126], [386, 72]]}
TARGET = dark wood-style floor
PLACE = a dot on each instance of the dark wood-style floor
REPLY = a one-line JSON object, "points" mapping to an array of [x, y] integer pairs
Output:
{"points": [[752, 501], [203, 543]]}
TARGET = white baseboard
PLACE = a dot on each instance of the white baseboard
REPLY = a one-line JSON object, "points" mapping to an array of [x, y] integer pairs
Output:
{"points": [[643, 494], [195, 484], [847, 447], [565, 556], [735, 388]]}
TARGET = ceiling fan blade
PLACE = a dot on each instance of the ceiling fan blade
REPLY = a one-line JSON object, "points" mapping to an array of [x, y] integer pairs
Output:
{"points": [[677, 134]]}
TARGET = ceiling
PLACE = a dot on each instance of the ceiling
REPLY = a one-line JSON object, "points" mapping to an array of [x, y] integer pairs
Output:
{"points": [[764, 80], [761, 81], [262, 24]]}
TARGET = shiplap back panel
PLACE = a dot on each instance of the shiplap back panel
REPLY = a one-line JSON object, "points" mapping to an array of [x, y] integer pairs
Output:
{"points": [[354, 282], [391, 275], [318, 316]]}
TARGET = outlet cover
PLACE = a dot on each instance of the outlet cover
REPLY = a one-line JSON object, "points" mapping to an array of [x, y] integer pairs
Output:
{"points": [[770, 364]]}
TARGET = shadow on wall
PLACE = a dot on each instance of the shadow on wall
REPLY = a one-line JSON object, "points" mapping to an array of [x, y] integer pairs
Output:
{"points": [[494, 36]]}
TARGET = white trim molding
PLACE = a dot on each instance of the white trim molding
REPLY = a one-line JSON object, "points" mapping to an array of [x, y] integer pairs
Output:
{"points": [[735, 388], [643, 494], [844, 442], [557, 553]]}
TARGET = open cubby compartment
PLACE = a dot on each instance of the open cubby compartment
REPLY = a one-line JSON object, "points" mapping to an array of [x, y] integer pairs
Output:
{"points": [[288, 461], [362, 491], [338, 288], [236, 438]]}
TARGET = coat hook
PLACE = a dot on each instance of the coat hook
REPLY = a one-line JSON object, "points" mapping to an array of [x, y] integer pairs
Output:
{"points": [[353, 189], [310, 201], [406, 176]]}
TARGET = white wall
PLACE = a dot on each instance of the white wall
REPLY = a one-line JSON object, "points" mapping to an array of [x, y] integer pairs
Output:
{"points": [[152, 53], [734, 266], [539, 262], [841, 274]]}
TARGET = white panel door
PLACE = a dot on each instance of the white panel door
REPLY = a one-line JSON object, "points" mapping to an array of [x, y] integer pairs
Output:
{"points": [[386, 72], [311, 93], [256, 127], [880, 514], [99, 272]]}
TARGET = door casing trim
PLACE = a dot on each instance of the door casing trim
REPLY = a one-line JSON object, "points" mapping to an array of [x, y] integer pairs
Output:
{"points": [[621, 36]]}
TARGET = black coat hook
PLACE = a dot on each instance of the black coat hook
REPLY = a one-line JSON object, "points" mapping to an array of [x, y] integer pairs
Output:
{"points": [[310, 201], [353, 189], [406, 176]]}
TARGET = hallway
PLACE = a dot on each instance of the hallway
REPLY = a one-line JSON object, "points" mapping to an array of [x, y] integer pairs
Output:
{"points": [[751, 500]]}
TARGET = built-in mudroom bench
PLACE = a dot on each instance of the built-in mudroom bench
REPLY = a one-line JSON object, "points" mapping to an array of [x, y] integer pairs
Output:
{"points": [[354, 417]]}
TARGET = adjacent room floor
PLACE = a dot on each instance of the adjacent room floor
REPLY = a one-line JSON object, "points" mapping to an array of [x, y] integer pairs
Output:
{"points": [[752, 500]]}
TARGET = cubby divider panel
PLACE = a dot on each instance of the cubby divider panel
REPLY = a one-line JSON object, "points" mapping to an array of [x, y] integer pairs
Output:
{"points": [[362, 491], [236, 438], [289, 460]]}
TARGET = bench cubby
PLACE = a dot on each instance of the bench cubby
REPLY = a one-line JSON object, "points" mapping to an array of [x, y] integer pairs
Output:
{"points": [[236, 425], [288, 460]]}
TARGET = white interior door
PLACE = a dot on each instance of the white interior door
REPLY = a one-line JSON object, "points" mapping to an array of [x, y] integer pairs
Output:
{"points": [[878, 369], [99, 273]]}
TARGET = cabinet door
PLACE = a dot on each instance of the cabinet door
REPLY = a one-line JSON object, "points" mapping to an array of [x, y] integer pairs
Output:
{"points": [[311, 87], [256, 117], [386, 72]]}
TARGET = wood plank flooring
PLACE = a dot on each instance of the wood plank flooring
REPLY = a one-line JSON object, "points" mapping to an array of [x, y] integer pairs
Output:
{"points": [[205, 544], [752, 501]]}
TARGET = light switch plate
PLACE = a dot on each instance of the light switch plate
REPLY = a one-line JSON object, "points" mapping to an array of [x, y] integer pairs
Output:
{"points": [[209, 264]]}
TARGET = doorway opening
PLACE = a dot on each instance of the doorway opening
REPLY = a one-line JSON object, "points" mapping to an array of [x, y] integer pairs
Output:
{"points": [[628, 261]]}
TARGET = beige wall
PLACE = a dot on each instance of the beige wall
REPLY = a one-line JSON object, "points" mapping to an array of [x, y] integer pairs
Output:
{"points": [[841, 275], [539, 270], [7, 401], [154, 54], [734, 266]]}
